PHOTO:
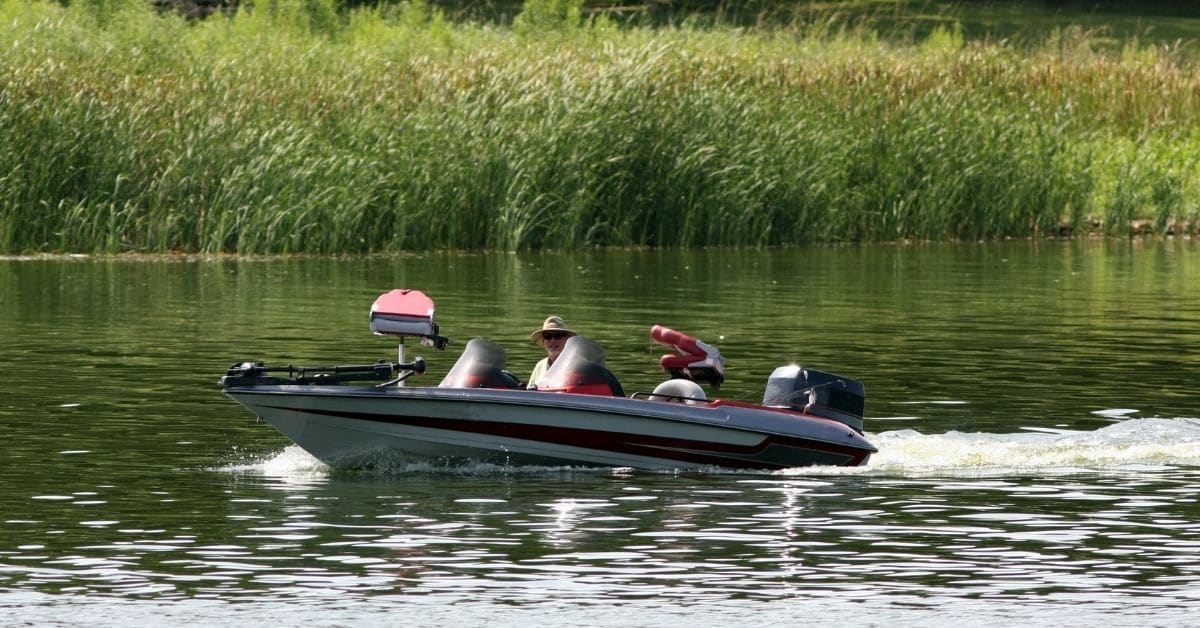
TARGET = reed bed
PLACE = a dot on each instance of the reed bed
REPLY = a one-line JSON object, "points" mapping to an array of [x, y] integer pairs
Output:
{"points": [[301, 129]]}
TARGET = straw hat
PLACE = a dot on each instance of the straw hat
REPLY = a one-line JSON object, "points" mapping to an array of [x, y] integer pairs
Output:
{"points": [[553, 323]]}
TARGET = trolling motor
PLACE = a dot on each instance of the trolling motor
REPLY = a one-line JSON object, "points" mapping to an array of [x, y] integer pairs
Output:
{"points": [[401, 313], [259, 374]]}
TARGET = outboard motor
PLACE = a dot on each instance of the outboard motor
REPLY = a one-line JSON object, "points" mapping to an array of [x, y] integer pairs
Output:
{"points": [[818, 393]]}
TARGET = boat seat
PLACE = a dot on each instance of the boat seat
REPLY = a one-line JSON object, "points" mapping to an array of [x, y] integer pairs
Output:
{"points": [[480, 366], [589, 379], [680, 391], [693, 359], [488, 378], [580, 369]]}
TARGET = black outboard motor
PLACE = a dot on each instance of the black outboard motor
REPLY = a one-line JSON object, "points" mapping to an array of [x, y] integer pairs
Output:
{"points": [[817, 392]]}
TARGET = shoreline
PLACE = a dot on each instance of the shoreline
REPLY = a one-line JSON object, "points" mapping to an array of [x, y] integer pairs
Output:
{"points": [[182, 256]]}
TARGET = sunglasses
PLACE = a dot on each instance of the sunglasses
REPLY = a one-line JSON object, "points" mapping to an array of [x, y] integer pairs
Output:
{"points": [[553, 335]]}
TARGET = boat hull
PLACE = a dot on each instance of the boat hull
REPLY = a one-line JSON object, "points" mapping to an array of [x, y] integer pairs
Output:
{"points": [[351, 426]]}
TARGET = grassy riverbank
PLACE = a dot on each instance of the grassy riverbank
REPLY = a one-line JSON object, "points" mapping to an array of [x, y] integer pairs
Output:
{"points": [[306, 131]]}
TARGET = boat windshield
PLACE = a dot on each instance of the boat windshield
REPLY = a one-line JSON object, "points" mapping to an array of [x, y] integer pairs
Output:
{"points": [[481, 365], [580, 368]]}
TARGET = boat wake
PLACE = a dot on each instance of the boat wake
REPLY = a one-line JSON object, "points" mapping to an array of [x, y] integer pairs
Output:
{"points": [[1130, 445], [1134, 444], [295, 465]]}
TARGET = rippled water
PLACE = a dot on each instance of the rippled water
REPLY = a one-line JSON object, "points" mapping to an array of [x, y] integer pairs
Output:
{"points": [[1033, 405]]}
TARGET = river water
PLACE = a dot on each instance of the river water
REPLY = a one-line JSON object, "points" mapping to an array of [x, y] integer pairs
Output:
{"points": [[1033, 404]]}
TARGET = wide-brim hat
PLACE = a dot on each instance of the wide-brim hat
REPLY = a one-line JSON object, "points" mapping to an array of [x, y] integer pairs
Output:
{"points": [[553, 323]]}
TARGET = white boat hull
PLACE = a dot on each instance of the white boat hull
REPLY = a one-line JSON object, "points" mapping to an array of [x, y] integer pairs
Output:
{"points": [[349, 426]]}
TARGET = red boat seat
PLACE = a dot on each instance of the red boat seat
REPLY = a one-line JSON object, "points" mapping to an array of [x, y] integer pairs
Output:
{"points": [[403, 313], [580, 369], [593, 379], [693, 359]]}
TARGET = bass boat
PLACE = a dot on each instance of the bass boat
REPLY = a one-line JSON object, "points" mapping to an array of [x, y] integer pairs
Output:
{"points": [[579, 414]]}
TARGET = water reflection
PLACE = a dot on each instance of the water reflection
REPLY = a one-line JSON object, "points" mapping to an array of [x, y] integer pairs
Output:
{"points": [[577, 536]]}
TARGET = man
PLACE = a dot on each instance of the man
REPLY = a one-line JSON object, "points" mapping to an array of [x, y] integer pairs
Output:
{"points": [[553, 337]]}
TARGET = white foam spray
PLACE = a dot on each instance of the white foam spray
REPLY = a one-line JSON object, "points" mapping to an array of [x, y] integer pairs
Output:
{"points": [[1133, 444]]}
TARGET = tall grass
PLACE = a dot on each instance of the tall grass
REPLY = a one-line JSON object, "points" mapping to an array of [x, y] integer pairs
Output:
{"points": [[293, 128]]}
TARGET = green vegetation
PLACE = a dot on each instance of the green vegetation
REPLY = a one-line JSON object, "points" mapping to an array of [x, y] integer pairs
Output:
{"points": [[298, 128]]}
